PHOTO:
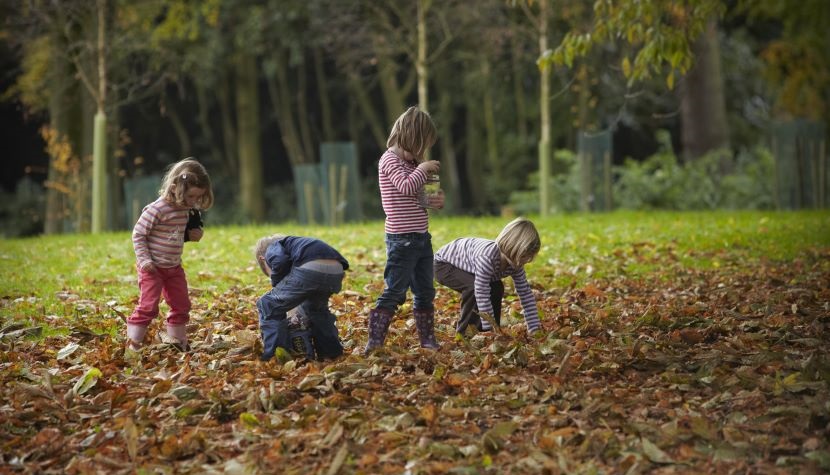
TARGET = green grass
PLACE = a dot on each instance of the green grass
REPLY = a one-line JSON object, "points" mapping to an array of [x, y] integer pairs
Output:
{"points": [[99, 269]]}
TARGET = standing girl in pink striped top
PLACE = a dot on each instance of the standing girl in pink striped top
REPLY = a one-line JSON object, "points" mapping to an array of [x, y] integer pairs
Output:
{"points": [[158, 240], [402, 174]]}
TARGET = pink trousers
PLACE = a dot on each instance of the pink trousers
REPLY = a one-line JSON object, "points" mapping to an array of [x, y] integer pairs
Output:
{"points": [[170, 283]]}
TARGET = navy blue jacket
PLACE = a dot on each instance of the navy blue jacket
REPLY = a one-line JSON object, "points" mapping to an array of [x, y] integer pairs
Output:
{"points": [[294, 251]]}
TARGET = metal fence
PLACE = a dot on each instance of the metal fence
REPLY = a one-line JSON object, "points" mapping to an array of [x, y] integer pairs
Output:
{"points": [[801, 164]]}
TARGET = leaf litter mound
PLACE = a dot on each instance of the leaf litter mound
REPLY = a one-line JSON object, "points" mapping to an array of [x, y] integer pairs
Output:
{"points": [[684, 371]]}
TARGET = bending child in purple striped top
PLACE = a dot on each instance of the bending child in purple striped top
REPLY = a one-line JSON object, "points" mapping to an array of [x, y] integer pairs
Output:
{"points": [[158, 240], [402, 173], [476, 266]]}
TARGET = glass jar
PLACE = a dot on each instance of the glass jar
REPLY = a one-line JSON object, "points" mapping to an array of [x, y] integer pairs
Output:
{"points": [[430, 191]]}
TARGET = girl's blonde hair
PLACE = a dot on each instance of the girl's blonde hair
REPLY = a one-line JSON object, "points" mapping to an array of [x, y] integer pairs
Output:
{"points": [[261, 246], [414, 132], [519, 241], [182, 176]]}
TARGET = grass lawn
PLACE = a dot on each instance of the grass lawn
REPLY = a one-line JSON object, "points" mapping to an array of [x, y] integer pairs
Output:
{"points": [[687, 342]]}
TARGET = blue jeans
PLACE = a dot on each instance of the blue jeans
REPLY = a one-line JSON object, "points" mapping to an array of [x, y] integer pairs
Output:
{"points": [[408, 265], [312, 290]]}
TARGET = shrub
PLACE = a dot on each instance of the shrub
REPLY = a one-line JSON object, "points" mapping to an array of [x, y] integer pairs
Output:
{"points": [[714, 181]]}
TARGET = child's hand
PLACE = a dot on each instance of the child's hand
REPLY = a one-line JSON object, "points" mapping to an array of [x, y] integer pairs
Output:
{"points": [[148, 267], [436, 200], [430, 166], [195, 234]]}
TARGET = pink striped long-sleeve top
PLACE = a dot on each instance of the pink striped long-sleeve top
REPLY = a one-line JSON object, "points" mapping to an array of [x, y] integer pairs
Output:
{"points": [[158, 235], [400, 181]]}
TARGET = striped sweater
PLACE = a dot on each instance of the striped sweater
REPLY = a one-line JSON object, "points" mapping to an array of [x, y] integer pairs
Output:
{"points": [[481, 257], [158, 236], [400, 181]]}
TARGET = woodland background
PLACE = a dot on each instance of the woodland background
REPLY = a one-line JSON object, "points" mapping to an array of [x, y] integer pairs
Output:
{"points": [[690, 93], [692, 340]]}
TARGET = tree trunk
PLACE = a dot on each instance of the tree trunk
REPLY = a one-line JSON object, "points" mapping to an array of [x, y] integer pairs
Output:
{"points": [[99, 151], [544, 102], [230, 137], [490, 120], [364, 103], [518, 90], [421, 62], [309, 151], [251, 189], [474, 161], [185, 147], [703, 107], [83, 179], [394, 93], [450, 180], [323, 96], [60, 120], [203, 116], [280, 90]]}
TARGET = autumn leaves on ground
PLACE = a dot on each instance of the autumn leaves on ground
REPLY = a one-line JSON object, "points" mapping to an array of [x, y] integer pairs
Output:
{"points": [[672, 344]]}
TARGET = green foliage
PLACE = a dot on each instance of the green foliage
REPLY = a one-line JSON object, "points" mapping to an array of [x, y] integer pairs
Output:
{"points": [[710, 182], [714, 181], [660, 32], [798, 61]]}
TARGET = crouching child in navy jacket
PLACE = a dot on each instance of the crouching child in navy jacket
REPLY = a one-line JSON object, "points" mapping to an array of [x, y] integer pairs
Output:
{"points": [[304, 272]]}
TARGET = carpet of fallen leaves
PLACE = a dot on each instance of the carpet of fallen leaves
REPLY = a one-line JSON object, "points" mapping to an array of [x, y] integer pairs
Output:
{"points": [[725, 370]]}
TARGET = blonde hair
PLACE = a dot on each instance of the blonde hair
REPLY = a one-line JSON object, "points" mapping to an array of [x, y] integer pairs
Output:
{"points": [[262, 246], [414, 132], [519, 242], [183, 175]]}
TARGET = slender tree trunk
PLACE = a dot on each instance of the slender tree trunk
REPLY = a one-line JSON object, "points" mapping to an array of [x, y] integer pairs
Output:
{"points": [[703, 107], [115, 203], [203, 116], [309, 151], [323, 96], [185, 147], [99, 153], [474, 161], [83, 211], [518, 90], [361, 96], [490, 120], [250, 151], [394, 93], [229, 134], [421, 62], [544, 102], [60, 101], [450, 182], [280, 90]]}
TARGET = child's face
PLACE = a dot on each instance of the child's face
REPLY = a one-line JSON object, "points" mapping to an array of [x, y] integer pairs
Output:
{"points": [[264, 266], [409, 157], [193, 196]]}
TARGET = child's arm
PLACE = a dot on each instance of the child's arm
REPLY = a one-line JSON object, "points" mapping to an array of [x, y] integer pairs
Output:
{"points": [[193, 230], [484, 274], [148, 219], [279, 262], [405, 182], [527, 300]]}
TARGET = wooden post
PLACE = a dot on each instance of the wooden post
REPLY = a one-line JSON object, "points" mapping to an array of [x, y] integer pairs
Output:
{"points": [[607, 180], [309, 201], [585, 181], [343, 186], [332, 194], [777, 171], [822, 175]]}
